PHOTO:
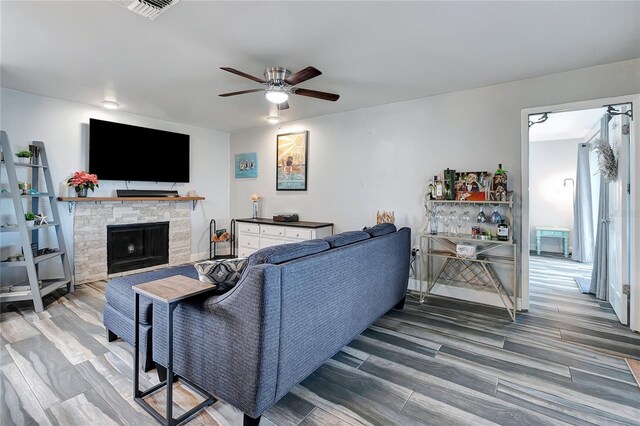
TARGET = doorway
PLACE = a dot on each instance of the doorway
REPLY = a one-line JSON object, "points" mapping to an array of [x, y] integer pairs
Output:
{"points": [[564, 195], [575, 220]]}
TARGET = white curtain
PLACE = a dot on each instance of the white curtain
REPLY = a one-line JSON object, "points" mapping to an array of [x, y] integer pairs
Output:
{"points": [[599, 283], [583, 243]]}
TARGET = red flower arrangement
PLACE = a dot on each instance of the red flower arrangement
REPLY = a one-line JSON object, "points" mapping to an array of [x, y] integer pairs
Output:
{"points": [[83, 180]]}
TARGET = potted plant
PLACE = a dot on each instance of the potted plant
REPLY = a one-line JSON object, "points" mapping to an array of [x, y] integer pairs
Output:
{"points": [[30, 218], [81, 181], [23, 156]]}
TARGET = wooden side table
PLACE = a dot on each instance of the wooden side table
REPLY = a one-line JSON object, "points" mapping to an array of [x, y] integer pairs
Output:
{"points": [[170, 291], [552, 232]]}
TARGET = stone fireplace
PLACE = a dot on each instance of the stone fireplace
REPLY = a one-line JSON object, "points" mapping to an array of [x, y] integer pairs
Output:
{"points": [[90, 236]]}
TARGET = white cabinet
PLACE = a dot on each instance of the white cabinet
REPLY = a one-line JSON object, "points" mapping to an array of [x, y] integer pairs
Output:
{"points": [[255, 234]]}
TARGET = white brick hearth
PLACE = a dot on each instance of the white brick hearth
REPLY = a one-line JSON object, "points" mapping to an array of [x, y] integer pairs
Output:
{"points": [[90, 232]]}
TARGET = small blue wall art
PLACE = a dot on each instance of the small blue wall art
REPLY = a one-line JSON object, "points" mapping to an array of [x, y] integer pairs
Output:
{"points": [[247, 165]]}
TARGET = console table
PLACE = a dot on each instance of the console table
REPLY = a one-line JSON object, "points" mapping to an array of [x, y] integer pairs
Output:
{"points": [[552, 232], [255, 234]]}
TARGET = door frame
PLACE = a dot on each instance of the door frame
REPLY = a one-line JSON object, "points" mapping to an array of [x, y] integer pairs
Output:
{"points": [[634, 176]]}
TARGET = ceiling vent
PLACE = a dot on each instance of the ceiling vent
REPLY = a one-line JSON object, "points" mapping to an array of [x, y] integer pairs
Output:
{"points": [[150, 9]]}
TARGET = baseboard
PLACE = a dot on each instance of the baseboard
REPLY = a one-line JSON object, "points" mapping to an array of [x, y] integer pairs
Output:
{"points": [[195, 257], [466, 294], [414, 284]]}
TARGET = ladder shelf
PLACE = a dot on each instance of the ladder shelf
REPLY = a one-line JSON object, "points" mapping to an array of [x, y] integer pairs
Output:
{"points": [[37, 287]]}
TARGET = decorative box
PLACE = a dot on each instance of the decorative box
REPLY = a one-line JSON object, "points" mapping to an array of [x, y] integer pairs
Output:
{"points": [[466, 250]]}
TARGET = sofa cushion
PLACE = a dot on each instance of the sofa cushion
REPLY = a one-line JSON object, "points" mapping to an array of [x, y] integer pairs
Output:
{"points": [[345, 238], [119, 293], [286, 252], [223, 274], [381, 229]]}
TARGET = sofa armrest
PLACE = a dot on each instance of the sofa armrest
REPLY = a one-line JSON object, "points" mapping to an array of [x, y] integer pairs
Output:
{"points": [[228, 344]]}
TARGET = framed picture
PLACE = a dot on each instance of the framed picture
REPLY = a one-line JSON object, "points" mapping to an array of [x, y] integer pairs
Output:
{"points": [[472, 186], [247, 165], [291, 161]]}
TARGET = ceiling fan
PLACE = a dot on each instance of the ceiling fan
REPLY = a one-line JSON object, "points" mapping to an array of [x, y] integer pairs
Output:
{"points": [[280, 83]]}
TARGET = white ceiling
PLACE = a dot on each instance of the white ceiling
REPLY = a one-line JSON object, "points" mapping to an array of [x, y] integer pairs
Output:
{"points": [[565, 125], [370, 53]]}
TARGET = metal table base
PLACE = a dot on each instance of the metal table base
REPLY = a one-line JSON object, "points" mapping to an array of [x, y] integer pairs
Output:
{"points": [[139, 395]]}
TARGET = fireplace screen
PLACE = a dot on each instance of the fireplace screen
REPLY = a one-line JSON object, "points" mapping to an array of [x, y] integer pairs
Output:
{"points": [[137, 246]]}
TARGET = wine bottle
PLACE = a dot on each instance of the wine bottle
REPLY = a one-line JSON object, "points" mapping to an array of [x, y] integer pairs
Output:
{"points": [[431, 190]]}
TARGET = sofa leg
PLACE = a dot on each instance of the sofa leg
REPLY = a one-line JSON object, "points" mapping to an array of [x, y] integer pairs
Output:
{"points": [[111, 336], [250, 421], [147, 363], [400, 304], [162, 372]]}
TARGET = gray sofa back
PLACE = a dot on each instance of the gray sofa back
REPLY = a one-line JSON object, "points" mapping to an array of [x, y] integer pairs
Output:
{"points": [[251, 345]]}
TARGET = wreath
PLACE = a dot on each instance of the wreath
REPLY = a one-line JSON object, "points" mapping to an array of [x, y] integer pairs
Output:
{"points": [[607, 161]]}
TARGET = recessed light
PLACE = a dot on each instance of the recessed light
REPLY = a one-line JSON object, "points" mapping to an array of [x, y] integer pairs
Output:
{"points": [[110, 104]]}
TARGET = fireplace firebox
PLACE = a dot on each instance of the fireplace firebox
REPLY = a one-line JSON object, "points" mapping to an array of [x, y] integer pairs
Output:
{"points": [[137, 246]]}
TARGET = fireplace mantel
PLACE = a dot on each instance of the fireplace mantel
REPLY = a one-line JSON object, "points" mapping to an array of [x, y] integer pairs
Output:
{"points": [[73, 200]]}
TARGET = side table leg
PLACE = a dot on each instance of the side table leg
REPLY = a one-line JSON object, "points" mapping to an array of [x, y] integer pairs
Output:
{"points": [[169, 413], [566, 247], [136, 346], [538, 245]]}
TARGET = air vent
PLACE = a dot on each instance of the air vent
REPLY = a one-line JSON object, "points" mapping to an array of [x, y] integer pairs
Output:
{"points": [[150, 9]]}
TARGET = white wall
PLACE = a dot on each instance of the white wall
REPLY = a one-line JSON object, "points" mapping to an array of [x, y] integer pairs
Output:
{"points": [[550, 163], [381, 157], [63, 127]]}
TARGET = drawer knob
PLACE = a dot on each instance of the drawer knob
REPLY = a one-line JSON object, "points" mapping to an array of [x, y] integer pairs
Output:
{"points": [[279, 233], [297, 235]]}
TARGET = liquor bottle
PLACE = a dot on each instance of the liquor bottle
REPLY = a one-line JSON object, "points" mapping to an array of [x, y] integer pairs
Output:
{"points": [[450, 183], [431, 190], [503, 231], [439, 188]]}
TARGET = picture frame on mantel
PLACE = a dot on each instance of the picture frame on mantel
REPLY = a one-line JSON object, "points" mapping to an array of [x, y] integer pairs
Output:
{"points": [[292, 161]]}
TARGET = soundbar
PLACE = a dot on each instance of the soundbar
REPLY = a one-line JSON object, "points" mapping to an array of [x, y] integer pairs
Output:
{"points": [[145, 193]]}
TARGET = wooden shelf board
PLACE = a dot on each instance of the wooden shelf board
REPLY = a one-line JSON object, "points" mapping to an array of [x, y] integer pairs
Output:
{"points": [[96, 199]]}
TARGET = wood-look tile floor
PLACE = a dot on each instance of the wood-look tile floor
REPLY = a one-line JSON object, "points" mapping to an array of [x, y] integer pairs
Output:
{"points": [[442, 362]]}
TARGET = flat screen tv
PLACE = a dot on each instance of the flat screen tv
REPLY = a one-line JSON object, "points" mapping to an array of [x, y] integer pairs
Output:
{"points": [[132, 153]]}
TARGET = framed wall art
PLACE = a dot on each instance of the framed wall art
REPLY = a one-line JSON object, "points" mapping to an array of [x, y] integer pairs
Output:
{"points": [[291, 161], [247, 165]]}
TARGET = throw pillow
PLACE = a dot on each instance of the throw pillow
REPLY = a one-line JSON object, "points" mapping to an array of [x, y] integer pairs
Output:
{"points": [[345, 238], [381, 229], [223, 274]]}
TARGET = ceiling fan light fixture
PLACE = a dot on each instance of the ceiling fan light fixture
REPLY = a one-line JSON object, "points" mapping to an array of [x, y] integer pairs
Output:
{"points": [[110, 104], [276, 95], [273, 120]]}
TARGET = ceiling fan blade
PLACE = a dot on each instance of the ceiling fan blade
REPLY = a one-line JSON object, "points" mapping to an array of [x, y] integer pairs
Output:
{"points": [[284, 105], [315, 94], [303, 75], [243, 74], [242, 92]]}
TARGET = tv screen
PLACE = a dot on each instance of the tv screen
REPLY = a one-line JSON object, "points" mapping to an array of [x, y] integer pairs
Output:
{"points": [[132, 153]]}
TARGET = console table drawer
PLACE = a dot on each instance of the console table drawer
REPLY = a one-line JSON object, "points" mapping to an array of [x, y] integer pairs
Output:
{"points": [[245, 252], [558, 234], [248, 241], [270, 242], [300, 234], [274, 231], [250, 228]]}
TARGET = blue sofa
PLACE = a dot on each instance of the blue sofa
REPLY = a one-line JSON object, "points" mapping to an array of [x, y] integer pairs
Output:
{"points": [[295, 306]]}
